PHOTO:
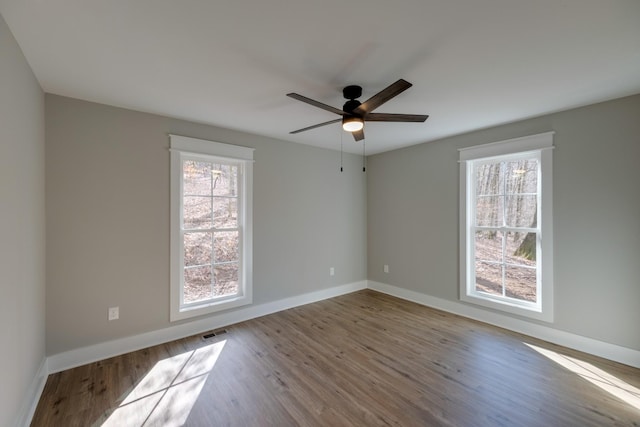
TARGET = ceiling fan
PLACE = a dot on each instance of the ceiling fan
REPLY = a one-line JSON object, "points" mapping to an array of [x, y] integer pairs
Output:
{"points": [[354, 113]]}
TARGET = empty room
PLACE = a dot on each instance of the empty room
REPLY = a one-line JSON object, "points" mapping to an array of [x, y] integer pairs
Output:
{"points": [[336, 213]]}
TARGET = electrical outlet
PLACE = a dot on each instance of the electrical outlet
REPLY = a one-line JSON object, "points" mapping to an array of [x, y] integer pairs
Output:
{"points": [[114, 313], [386, 268], [332, 271]]}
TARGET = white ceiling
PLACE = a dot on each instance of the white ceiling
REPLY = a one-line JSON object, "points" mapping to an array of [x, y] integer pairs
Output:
{"points": [[229, 63]]}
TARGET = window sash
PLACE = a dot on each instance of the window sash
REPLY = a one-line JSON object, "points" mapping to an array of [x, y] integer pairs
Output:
{"points": [[184, 158]]}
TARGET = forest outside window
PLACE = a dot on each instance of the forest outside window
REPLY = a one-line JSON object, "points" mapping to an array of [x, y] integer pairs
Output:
{"points": [[506, 226], [210, 226]]}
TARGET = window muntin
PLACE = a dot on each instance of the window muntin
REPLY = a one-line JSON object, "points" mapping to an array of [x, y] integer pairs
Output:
{"points": [[211, 194], [506, 226]]}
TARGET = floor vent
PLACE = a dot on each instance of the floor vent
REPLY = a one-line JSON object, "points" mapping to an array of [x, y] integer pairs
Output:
{"points": [[214, 333]]}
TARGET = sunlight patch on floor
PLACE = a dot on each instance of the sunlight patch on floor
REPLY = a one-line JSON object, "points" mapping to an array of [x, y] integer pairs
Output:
{"points": [[596, 376], [166, 395]]}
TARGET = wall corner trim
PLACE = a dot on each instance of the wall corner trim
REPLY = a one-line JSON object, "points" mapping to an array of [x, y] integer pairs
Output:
{"points": [[32, 397], [602, 349]]}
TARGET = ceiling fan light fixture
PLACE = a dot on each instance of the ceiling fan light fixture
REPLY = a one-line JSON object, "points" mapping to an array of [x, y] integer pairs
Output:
{"points": [[352, 124]]}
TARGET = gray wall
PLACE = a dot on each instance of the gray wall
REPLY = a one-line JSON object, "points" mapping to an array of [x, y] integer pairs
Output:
{"points": [[413, 216], [22, 232], [107, 173]]}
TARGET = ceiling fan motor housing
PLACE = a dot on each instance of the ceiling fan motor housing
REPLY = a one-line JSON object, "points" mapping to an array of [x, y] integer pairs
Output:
{"points": [[350, 105]]}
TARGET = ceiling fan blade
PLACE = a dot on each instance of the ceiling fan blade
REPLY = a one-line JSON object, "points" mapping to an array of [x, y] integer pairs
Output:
{"points": [[384, 117], [358, 135], [316, 126], [383, 96], [315, 103]]}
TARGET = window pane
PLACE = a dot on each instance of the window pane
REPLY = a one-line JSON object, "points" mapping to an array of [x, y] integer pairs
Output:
{"points": [[521, 249], [488, 246], [489, 278], [520, 283], [225, 180], [197, 212], [198, 248], [489, 180], [197, 178], [489, 211], [197, 284], [521, 211], [225, 212], [522, 176], [226, 279], [226, 246]]}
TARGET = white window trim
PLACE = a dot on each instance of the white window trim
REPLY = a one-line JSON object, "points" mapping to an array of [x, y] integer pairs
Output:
{"points": [[540, 145], [185, 147]]}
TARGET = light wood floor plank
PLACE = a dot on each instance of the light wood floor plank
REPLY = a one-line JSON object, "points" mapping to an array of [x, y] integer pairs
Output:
{"points": [[363, 359]]}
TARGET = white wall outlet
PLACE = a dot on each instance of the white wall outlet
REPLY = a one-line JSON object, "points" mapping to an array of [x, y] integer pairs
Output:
{"points": [[332, 271], [114, 313], [385, 268]]}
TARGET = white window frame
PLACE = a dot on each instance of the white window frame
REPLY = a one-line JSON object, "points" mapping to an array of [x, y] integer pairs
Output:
{"points": [[185, 148], [538, 146]]}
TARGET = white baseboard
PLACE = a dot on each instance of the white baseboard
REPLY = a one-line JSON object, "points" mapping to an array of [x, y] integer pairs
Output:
{"points": [[577, 342], [73, 358], [78, 357], [32, 397]]}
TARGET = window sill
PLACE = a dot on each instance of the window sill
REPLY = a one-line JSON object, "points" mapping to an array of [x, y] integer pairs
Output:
{"points": [[208, 308], [507, 307]]}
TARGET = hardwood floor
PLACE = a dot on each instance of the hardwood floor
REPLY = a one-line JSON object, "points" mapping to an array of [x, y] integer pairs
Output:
{"points": [[363, 359]]}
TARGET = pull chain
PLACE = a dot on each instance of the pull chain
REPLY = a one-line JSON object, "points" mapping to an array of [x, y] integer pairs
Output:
{"points": [[364, 158], [341, 138]]}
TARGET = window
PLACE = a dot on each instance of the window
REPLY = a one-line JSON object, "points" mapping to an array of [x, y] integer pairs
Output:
{"points": [[506, 259], [211, 238]]}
